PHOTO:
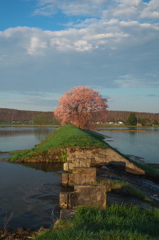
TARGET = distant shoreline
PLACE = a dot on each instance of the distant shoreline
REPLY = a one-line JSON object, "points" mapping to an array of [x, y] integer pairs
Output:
{"points": [[26, 116]]}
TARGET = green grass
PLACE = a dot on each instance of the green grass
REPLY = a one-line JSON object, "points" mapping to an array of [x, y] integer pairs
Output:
{"points": [[117, 222], [147, 168], [124, 188], [70, 136], [63, 137]]}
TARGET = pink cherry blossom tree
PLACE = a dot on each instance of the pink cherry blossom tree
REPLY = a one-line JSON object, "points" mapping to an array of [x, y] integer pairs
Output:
{"points": [[82, 107]]}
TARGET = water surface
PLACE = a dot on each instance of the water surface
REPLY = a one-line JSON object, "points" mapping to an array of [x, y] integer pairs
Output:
{"points": [[19, 138], [30, 192], [143, 142]]}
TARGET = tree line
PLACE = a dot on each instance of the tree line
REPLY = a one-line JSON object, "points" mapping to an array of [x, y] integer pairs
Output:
{"points": [[81, 106]]}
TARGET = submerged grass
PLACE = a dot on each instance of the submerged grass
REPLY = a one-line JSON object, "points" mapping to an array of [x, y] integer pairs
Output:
{"points": [[63, 137], [117, 222], [124, 188]]}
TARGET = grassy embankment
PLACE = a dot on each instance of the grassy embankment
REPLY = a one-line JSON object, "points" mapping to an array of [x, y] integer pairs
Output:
{"points": [[70, 136], [64, 137], [114, 223]]}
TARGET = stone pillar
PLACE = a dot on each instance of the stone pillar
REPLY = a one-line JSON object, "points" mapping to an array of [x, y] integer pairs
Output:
{"points": [[67, 200], [91, 196], [84, 195], [80, 175], [67, 166], [65, 179], [78, 162]]}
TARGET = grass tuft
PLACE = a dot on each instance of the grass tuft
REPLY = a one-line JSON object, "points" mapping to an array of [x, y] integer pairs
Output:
{"points": [[117, 222]]}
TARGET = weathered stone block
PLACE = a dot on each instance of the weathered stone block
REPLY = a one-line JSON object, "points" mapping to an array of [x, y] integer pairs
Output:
{"points": [[85, 170], [102, 156], [67, 166], [84, 175], [68, 179], [77, 162], [79, 176], [82, 162], [84, 195], [90, 196], [67, 213], [67, 200], [65, 179]]}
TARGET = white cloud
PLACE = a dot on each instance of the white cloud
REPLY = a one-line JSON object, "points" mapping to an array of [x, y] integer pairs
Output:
{"points": [[36, 41], [70, 7], [82, 45], [101, 51], [129, 23], [151, 10], [130, 81], [126, 81], [36, 45], [107, 46], [123, 9], [29, 100], [105, 32]]}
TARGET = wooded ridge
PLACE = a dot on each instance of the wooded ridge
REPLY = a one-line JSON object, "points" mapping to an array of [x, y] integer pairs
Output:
{"points": [[24, 116]]}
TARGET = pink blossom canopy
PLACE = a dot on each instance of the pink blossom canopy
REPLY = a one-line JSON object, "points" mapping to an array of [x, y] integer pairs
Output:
{"points": [[82, 107]]}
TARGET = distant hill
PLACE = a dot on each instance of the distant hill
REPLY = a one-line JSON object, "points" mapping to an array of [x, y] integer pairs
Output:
{"points": [[20, 116], [123, 116], [23, 116]]}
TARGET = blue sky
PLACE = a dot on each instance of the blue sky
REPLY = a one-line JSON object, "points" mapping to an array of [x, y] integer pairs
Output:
{"points": [[48, 47]]}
